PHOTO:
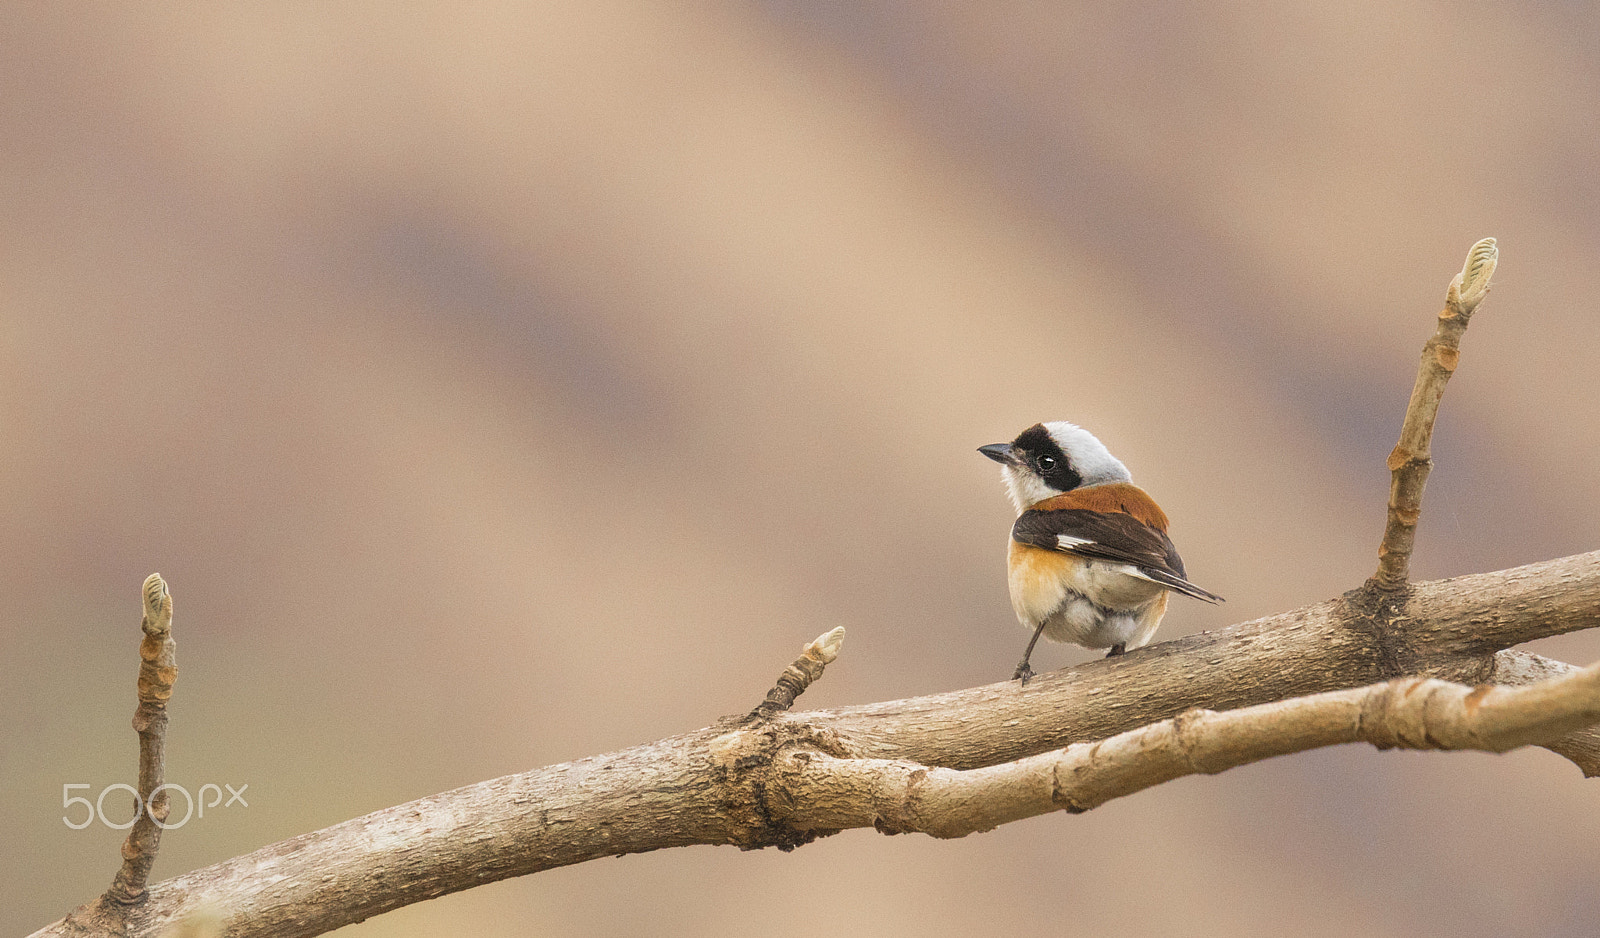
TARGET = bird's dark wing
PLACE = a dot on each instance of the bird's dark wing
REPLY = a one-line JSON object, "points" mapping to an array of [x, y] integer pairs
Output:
{"points": [[1109, 535]]}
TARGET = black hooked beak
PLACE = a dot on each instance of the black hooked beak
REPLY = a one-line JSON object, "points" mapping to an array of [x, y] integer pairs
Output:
{"points": [[1003, 453]]}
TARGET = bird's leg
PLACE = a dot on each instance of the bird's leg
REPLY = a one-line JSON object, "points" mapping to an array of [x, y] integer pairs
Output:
{"points": [[1024, 672], [1117, 649]]}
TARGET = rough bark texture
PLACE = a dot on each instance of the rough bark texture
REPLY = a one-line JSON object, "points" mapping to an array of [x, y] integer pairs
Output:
{"points": [[898, 796]]}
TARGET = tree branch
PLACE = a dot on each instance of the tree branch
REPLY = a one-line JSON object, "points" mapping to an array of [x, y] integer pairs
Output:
{"points": [[1453, 631], [717, 785], [897, 796], [1516, 668]]}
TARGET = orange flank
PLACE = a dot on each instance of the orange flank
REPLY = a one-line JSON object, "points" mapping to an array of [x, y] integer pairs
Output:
{"points": [[1038, 579], [1042, 581]]}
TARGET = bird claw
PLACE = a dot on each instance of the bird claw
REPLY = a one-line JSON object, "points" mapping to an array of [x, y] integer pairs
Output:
{"points": [[1023, 674]]}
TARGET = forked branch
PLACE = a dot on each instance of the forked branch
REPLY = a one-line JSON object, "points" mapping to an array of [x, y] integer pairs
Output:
{"points": [[898, 797]]}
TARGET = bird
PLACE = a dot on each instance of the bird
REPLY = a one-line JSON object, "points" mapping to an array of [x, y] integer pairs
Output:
{"points": [[1089, 562]]}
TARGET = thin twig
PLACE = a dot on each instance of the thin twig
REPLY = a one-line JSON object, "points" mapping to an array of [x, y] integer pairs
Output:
{"points": [[158, 670], [798, 676], [1412, 457]]}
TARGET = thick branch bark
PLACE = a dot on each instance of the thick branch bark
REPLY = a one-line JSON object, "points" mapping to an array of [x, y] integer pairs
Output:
{"points": [[897, 796]]}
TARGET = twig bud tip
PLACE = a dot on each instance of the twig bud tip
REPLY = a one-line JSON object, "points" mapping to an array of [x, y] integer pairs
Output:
{"points": [[1470, 286], [826, 646], [157, 605]]}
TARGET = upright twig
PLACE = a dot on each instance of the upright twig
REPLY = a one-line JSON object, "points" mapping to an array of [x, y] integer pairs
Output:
{"points": [[1412, 457], [158, 670]]}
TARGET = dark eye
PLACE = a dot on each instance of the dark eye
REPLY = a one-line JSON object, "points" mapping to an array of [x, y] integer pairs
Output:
{"points": [[1045, 463]]}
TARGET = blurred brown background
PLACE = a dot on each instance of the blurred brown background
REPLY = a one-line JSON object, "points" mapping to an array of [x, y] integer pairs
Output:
{"points": [[498, 384]]}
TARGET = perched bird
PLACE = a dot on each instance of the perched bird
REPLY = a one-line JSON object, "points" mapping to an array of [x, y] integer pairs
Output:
{"points": [[1090, 562]]}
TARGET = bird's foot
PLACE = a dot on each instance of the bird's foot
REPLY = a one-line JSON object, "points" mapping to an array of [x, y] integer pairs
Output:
{"points": [[1023, 674], [1117, 649]]}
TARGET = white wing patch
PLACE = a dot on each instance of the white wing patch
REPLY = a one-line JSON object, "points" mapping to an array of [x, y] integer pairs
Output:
{"points": [[1067, 541]]}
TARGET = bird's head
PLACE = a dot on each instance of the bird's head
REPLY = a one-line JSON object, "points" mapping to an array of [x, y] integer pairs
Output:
{"points": [[1048, 459]]}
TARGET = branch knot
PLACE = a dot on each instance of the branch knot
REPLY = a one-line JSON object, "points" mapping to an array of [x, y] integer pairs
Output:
{"points": [[1377, 611]]}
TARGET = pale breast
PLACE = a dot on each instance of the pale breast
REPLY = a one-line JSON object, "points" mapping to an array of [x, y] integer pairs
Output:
{"points": [[1087, 602], [1113, 585], [1081, 622]]}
